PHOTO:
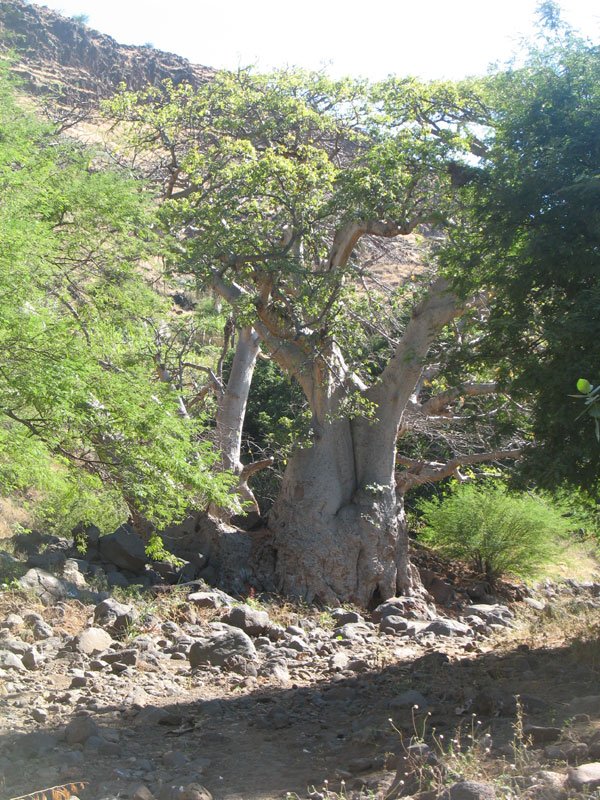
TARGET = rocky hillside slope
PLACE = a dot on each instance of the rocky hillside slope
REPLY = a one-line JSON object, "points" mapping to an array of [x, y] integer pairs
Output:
{"points": [[60, 55]]}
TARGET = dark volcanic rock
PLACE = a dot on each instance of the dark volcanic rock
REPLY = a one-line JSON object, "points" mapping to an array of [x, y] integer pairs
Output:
{"points": [[125, 549]]}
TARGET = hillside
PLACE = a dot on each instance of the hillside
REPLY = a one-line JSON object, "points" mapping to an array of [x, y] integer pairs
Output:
{"points": [[60, 55]]}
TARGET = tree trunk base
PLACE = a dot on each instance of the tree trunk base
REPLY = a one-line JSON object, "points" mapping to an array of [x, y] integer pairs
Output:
{"points": [[358, 556]]}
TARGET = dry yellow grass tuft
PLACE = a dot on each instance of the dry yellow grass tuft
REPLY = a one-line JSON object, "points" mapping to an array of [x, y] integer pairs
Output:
{"points": [[62, 792]]}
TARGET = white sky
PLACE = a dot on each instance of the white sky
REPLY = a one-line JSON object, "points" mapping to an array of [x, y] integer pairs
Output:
{"points": [[430, 38]]}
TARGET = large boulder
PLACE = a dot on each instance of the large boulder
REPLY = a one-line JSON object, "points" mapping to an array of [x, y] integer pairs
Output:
{"points": [[125, 549], [251, 620], [223, 647]]}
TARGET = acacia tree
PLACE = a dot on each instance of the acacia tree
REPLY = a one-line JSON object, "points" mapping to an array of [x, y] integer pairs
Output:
{"points": [[532, 231], [277, 189], [77, 381]]}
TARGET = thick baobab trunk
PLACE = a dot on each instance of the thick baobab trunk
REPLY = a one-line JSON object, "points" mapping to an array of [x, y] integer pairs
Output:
{"points": [[339, 529], [339, 532]]}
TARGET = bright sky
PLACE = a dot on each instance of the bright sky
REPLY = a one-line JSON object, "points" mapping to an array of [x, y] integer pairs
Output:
{"points": [[428, 38]]}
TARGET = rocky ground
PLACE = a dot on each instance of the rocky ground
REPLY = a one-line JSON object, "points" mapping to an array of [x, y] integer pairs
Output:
{"points": [[155, 691]]}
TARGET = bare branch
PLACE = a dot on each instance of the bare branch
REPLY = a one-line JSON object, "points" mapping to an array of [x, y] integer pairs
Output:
{"points": [[438, 401], [419, 472]]}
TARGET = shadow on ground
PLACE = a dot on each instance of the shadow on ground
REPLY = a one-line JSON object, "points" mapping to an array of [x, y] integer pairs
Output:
{"points": [[264, 743]]}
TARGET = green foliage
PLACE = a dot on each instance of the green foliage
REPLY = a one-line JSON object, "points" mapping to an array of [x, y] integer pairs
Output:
{"points": [[156, 550], [269, 167], [531, 234], [78, 383], [83, 19], [497, 531]]}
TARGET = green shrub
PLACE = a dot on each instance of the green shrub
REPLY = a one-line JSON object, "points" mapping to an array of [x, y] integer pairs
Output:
{"points": [[497, 531]]}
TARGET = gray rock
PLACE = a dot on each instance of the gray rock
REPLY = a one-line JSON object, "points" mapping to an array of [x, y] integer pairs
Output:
{"points": [[128, 657], [407, 607], [47, 587], [79, 730], [298, 644], [47, 560], [541, 735], [112, 613], [352, 631], [250, 620], [485, 611], [12, 622], [537, 605], [10, 660], [342, 616], [41, 631], [276, 669], [212, 599], [175, 759], [224, 645], [447, 627], [31, 659], [469, 790], [125, 549], [585, 777], [91, 641], [553, 784], [392, 623]]}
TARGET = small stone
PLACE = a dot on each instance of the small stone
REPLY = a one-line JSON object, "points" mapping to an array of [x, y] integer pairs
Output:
{"points": [[143, 793], [13, 622], [41, 631], [448, 627], [214, 599], [342, 617], [469, 790], [39, 714], [91, 641], [128, 657], [541, 735], [80, 729], [112, 613], [31, 659]]}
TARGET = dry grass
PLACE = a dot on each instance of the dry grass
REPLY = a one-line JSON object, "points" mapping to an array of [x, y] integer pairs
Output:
{"points": [[12, 514]]}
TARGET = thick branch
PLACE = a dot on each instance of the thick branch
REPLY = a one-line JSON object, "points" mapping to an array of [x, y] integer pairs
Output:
{"points": [[402, 372], [419, 472], [255, 466], [438, 401]]}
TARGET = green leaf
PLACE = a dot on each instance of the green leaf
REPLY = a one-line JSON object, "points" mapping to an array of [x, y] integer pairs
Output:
{"points": [[584, 386]]}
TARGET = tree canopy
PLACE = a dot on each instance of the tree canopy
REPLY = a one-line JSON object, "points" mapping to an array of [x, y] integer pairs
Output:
{"points": [[77, 380], [531, 233]]}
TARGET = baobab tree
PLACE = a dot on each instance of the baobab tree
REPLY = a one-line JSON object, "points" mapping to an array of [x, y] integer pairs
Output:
{"points": [[276, 191]]}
